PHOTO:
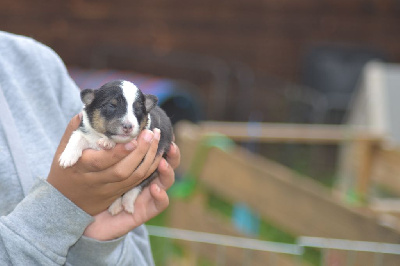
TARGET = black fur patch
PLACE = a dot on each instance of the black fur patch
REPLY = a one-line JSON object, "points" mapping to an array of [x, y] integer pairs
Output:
{"points": [[139, 108]]}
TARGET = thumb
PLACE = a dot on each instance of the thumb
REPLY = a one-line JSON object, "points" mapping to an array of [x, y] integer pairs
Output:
{"points": [[72, 126]]}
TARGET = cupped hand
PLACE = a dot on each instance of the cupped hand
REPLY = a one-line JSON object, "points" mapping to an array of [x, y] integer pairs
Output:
{"points": [[151, 202], [100, 177]]}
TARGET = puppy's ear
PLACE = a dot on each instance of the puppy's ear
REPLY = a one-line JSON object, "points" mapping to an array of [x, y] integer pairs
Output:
{"points": [[87, 96], [150, 102]]}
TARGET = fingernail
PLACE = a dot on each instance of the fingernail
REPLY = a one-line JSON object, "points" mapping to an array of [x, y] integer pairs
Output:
{"points": [[130, 146], [157, 188], [166, 165], [148, 136], [173, 145], [156, 133], [80, 115]]}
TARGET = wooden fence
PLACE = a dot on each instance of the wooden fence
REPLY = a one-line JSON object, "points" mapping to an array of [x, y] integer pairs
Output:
{"points": [[297, 204]]}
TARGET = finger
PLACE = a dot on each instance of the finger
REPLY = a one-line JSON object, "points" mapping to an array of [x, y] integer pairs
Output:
{"points": [[148, 165], [166, 175], [151, 155], [99, 160], [136, 179], [174, 156], [154, 165], [161, 200], [125, 168], [132, 182]]}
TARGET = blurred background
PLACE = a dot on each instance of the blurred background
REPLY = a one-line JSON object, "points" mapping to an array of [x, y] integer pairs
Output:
{"points": [[291, 118]]}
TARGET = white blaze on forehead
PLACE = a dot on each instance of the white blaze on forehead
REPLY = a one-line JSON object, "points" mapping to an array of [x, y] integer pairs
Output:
{"points": [[130, 92]]}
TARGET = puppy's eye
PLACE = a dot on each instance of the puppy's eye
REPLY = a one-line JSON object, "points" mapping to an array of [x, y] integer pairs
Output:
{"points": [[110, 107]]}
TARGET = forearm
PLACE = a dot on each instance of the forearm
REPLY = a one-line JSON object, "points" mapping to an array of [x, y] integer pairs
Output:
{"points": [[42, 228]]}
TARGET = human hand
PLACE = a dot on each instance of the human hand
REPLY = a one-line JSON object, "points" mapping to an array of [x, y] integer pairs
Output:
{"points": [[150, 202], [100, 177]]}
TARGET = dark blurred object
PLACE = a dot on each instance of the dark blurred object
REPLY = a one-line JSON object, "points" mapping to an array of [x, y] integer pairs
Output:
{"points": [[334, 71], [330, 75], [177, 98]]}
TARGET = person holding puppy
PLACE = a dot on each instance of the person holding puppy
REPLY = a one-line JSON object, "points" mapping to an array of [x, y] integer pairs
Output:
{"points": [[56, 216]]}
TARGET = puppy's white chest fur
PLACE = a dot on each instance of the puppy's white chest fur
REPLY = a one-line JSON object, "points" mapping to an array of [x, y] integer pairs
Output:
{"points": [[80, 141]]}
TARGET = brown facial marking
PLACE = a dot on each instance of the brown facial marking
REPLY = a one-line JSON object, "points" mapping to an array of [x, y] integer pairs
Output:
{"points": [[143, 123], [98, 122]]}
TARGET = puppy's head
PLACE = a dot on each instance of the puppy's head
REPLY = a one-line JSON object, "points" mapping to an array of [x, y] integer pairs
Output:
{"points": [[118, 109]]}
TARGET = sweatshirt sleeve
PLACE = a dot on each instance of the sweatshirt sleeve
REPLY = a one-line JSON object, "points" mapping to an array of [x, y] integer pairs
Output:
{"points": [[42, 228], [131, 249]]}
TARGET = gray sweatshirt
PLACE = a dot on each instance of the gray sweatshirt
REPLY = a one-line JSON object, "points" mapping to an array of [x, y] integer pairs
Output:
{"points": [[38, 225]]}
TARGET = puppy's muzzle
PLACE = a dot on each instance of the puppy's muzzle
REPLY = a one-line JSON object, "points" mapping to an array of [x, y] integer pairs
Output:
{"points": [[127, 127]]}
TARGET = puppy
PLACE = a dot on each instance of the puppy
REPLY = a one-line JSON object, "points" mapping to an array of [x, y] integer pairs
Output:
{"points": [[116, 113]]}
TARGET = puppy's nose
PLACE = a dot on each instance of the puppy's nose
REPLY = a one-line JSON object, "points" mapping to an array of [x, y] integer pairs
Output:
{"points": [[127, 127]]}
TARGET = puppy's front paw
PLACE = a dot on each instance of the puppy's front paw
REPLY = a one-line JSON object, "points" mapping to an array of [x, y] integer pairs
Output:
{"points": [[106, 144], [129, 198], [116, 207], [129, 206], [68, 158]]}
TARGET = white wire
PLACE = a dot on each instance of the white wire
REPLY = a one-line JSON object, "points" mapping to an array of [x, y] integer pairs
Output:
{"points": [[230, 241], [255, 244], [350, 245]]}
